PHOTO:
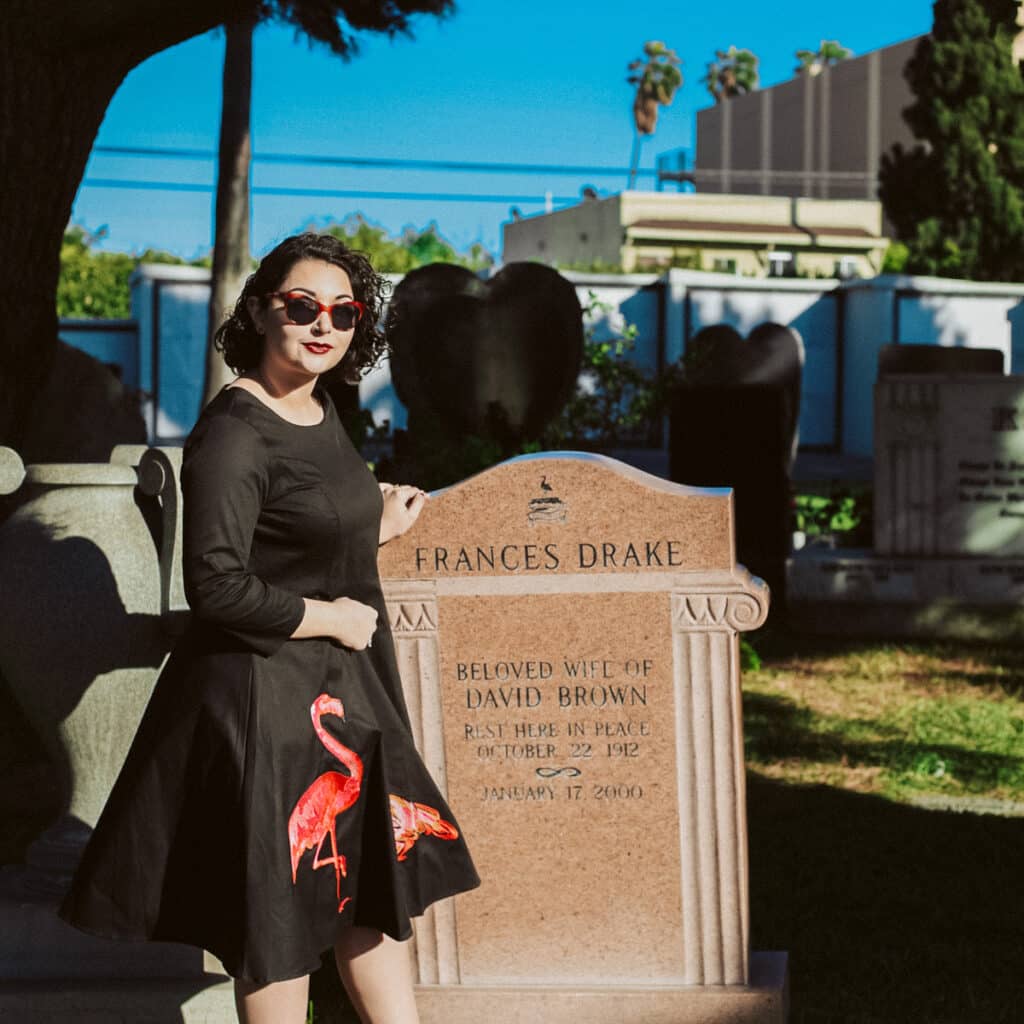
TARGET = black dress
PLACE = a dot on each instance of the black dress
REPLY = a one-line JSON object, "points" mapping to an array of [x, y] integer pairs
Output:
{"points": [[272, 795]]}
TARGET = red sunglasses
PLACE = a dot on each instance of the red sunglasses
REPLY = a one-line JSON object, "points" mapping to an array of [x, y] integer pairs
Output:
{"points": [[304, 309]]}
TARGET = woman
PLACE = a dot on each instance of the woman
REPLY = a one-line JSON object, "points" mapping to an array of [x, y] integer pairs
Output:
{"points": [[272, 804]]}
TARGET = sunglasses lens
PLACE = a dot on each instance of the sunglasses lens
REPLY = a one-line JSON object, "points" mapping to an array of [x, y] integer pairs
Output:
{"points": [[344, 316], [300, 311]]}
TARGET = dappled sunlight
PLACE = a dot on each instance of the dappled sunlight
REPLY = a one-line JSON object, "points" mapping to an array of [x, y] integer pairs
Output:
{"points": [[883, 736]]}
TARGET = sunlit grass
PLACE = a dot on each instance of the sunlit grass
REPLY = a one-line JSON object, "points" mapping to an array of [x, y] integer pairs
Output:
{"points": [[899, 721]]}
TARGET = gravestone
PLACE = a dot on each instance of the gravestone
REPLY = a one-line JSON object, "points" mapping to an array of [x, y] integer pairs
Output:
{"points": [[901, 359], [566, 630], [948, 555], [734, 424], [494, 357], [949, 465]]}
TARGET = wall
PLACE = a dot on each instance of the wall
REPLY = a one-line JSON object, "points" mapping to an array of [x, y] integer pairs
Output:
{"points": [[815, 135], [843, 326]]}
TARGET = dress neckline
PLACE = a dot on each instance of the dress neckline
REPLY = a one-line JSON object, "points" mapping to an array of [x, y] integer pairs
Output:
{"points": [[318, 391]]}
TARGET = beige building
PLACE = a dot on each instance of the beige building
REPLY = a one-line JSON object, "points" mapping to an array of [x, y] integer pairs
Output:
{"points": [[753, 235]]}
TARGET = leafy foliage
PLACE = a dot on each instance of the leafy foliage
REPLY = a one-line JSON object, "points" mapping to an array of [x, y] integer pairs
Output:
{"points": [[615, 399], [656, 79], [957, 198], [844, 515], [334, 22], [733, 72], [94, 284], [414, 248], [829, 52]]}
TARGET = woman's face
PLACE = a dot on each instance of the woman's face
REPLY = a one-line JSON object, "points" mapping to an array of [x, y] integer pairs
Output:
{"points": [[298, 351]]}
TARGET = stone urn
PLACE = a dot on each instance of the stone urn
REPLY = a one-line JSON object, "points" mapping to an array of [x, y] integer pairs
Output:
{"points": [[89, 605]]}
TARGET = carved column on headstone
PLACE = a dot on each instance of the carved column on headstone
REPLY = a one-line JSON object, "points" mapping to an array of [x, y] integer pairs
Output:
{"points": [[706, 624], [412, 613], [907, 469]]}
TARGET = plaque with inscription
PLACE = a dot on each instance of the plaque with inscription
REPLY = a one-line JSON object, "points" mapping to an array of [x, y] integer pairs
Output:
{"points": [[566, 632], [949, 465]]}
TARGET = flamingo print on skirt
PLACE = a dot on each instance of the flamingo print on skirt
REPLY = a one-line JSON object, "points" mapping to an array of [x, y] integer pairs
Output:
{"points": [[314, 819]]}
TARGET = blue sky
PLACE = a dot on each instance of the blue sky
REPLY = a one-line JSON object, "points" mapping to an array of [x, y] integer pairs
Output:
{"points": [[499, 81]]}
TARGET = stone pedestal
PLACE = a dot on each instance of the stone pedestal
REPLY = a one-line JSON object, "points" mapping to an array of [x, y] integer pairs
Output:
{"points": [[567, 633], [858, 592], [764, 1000]]}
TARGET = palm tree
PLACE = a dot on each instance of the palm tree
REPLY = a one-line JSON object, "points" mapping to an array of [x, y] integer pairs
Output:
{"points": [[830, 52], [231, 260], [733, 72], [656, 79]]}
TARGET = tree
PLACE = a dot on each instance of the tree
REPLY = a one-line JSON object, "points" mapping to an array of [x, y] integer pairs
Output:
{"points": [[413, 249], [656, 81], [829, 52], [60, 64], [232, 260], [956, 199], [733, 72], [94, 284]]}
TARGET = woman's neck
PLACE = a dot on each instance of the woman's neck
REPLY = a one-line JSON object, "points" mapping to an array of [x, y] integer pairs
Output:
{"points": [[290, 399]]}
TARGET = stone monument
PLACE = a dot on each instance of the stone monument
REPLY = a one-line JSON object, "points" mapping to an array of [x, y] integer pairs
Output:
{"points": [[734, 423], [948, 556], [90, 598], [567, 633]]}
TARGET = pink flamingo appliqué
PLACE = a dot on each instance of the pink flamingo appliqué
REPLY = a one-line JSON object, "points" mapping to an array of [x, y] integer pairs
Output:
{"points": [[314, 818], [411, 820]]}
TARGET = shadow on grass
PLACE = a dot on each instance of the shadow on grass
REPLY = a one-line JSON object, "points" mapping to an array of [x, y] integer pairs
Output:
{"points": [[890, 914], [778, 645], [776, 728]]}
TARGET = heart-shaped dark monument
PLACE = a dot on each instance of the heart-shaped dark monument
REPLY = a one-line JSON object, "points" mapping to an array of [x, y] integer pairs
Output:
{"points": [[734, 424], [496, 358]]}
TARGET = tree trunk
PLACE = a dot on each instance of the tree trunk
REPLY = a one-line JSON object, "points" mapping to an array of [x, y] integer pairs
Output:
{"points": [[60, 65], [231, 261], [634, 159], [49, 116]]}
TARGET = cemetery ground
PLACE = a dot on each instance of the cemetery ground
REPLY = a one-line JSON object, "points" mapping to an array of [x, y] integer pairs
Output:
{"points": [[886, 810]]}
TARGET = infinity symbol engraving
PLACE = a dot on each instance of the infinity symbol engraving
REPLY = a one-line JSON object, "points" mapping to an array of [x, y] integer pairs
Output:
{"points": [[551, 773]]}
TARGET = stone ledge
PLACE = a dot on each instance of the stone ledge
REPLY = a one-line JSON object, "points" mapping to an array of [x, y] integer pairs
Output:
{"points": [[764, 1001], [203, 1000]]}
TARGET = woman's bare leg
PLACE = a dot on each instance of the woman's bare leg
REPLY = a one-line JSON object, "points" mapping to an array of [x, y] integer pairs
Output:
{"points": [[375, 971], [280, 1002]]}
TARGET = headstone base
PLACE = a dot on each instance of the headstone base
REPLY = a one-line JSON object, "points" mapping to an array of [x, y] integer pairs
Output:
{"points": [[764, 1001], [856, 592]]}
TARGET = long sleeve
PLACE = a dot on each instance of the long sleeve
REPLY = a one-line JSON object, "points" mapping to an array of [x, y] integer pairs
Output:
{"points": [[224, 485]]}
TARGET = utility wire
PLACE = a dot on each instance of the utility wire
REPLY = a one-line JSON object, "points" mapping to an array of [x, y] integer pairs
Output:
{"points": [[274, 190], [377, 162]]}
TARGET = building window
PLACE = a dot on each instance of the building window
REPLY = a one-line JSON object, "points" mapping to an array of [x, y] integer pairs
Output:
{"points": [[781, 264], [721, 265]]}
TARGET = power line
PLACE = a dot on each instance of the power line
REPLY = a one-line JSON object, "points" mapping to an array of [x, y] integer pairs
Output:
{"points": [[328, 193], [377, 162]]}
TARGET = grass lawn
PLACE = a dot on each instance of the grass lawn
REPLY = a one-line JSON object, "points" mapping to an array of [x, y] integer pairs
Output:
{"points": [[885, 796]]}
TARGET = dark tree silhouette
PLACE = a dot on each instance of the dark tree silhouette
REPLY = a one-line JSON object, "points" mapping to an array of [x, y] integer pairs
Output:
{"points": [[957, 197], [61, 61]]}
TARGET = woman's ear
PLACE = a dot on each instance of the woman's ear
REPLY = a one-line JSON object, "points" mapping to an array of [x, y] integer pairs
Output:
{"points": [[256, 311]]}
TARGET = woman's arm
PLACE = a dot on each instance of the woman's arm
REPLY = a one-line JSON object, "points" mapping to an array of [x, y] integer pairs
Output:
{"points": [[224, 484]]}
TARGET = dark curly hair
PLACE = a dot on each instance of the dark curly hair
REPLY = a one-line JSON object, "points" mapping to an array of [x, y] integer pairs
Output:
{"points": [[242, 346]]}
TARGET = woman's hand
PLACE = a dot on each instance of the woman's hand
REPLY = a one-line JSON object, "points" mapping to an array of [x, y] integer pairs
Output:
{"points": [[355, 623], [402, 506], [351, 623]]}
